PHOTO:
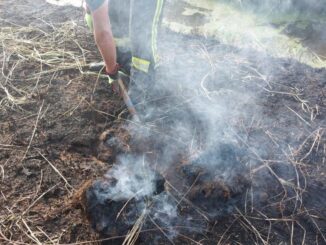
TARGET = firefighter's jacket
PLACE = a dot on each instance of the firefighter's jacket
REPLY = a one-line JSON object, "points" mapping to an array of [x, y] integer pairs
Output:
{"points": [[135, 26]]}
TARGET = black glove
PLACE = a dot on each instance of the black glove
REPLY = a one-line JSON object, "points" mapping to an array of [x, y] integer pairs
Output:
{"points": [[113, 75]]}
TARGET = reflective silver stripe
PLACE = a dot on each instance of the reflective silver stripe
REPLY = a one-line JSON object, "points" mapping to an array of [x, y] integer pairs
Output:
{"points": [[156, 21]]}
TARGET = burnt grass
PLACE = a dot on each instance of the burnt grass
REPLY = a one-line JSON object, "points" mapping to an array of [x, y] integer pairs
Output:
{"points": [[52, 146]]}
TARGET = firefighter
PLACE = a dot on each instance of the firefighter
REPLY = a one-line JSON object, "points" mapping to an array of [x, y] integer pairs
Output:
{"points": [[136, 21]]}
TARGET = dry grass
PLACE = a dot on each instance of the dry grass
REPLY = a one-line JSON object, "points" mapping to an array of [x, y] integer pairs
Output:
{"points": [[31, 58], [56, 49], [41, 54]]}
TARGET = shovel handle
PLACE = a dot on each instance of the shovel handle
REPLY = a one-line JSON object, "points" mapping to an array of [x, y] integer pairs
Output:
{"points": [[126, 98]]}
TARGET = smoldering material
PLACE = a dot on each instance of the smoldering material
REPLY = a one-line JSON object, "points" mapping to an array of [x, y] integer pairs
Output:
{"points": [[115, 202], [133, 179], [192, 112]]}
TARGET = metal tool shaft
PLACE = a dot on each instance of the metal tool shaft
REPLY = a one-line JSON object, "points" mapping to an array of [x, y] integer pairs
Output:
{"points": [[127, 100]]}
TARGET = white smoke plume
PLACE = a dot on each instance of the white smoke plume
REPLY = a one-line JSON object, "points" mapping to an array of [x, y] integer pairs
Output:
{"points": [[201, 106]]}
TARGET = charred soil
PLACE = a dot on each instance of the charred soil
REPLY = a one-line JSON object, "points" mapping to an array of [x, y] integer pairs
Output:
{"points": [[61, 128]]}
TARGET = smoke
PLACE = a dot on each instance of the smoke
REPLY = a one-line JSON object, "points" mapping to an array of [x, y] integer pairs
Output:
{"points": [[132, 177], [205, 105], [283, 6]]}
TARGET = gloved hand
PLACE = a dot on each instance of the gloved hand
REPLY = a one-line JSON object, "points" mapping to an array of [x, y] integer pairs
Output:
{"points": [[114, 74], [113, 78]]}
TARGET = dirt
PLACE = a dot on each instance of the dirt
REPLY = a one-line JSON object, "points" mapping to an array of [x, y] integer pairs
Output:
{"points": [[56, 143], [50, 144]]}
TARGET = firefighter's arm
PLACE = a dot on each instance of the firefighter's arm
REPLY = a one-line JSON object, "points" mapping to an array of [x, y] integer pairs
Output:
{"points": [[104, 37]]}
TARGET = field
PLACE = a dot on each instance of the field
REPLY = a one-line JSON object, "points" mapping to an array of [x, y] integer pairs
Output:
{"points": [[56, 118]]}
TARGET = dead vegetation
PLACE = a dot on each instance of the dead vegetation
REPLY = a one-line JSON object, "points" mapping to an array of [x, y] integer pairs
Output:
{"points": [[43, 93], [52, 116]]}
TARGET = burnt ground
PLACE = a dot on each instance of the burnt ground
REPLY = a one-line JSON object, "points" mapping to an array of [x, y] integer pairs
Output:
{"points": [[49, 139], [53, 116]]}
